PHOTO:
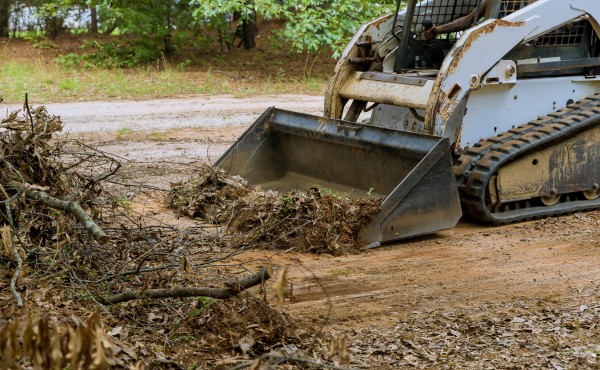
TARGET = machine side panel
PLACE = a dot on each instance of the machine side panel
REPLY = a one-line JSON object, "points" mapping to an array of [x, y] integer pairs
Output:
{"points": [[497, 108]]}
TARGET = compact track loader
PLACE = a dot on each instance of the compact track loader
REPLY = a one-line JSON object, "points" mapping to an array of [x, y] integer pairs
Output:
{"points": [[499, 121]]}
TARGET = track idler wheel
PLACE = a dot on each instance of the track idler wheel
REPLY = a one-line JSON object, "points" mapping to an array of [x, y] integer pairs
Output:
{"points": [[550, 200], [592, 194]]}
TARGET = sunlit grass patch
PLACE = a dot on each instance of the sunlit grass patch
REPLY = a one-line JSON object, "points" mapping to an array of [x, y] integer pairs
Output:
{"points": [[52, 82]]}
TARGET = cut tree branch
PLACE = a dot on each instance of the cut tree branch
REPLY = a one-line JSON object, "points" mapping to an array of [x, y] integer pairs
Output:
{"points": [[64, 205], [217, 293], [7, 239]]}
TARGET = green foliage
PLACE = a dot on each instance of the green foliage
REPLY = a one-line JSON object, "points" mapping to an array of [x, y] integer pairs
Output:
{"points": [[56, 8], [310, 24], [164, 27], [203, 304], [110, 55], [324, 191], [216, 9], [152, 22], [69, 60], [38, 41]]}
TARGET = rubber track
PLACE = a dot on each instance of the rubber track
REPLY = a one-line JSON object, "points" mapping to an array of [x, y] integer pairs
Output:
{"points": [[476, 166]]}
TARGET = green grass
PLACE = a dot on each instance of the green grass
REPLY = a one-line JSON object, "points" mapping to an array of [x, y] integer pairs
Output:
{"points": [[158, 136], [125, 203], [122, 133], [50, 82]]}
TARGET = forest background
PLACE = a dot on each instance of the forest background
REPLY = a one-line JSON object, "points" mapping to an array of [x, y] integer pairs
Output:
{"points": [[94, 49]]}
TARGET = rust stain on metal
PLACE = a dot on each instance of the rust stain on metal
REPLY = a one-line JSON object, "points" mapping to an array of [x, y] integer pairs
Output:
{"points": [[475, 35], [378, 22], [443, 107], [430, 119], [323, 123]]}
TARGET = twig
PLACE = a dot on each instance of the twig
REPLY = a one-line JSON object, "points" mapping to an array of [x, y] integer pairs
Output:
{"points": [[13, 281], [135, 272], [28, 111], [9, 239], [217, 293], [63, 205], [90, 293], [96, 153], [49, 276], [141, 186], [157, 268]]}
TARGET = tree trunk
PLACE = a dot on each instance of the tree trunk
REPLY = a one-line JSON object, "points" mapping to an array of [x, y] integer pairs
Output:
{"points": [[54, 26], [94, 20], [4, 17], [169, 49], [249, 33]]}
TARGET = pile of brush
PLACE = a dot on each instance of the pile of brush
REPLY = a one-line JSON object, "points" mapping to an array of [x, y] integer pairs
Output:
{"points": [[312, 221]]}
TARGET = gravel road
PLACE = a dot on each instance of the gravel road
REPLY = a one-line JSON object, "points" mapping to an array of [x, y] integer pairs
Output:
{"points": [[162, 114]]}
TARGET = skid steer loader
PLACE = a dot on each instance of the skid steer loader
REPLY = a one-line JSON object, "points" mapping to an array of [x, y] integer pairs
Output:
{"points": [[499, 121]]}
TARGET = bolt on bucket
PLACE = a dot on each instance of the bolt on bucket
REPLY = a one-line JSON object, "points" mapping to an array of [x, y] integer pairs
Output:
{"points": [[284, 150]]}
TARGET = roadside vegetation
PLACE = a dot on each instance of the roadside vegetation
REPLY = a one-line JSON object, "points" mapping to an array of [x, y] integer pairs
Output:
{"points": [[68, 50], [48, 78]]}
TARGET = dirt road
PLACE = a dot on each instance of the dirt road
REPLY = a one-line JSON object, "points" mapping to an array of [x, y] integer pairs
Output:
{"points": [[396, 304], [172, 130], [165, 114]]}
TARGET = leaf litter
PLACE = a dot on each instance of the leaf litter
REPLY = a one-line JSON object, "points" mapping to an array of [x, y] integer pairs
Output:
{"points": [[65, 271], [525, 333]]}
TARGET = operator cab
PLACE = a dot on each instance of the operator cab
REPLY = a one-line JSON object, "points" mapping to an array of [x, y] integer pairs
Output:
{"points": [[412, 62], [568, 42]]}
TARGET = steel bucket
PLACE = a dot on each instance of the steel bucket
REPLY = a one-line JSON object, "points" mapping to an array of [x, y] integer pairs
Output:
{"points": [[285, 150]]}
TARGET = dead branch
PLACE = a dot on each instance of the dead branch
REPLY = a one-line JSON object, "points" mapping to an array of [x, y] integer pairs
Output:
{"points": [[63, 205], [217, 293], [13, 281], [114, 165], [28, 109], [7, 239]]}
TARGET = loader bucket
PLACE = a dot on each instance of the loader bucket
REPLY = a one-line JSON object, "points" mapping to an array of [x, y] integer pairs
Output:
{"points": [[285, 150]]}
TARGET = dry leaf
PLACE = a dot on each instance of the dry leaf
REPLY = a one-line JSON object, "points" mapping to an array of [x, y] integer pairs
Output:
{"points": [[185, 265], [116, 331], [281, 287], [7, 241]]}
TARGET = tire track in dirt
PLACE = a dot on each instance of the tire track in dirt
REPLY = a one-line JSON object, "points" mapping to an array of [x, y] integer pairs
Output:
{"points": [[552, 260]]}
